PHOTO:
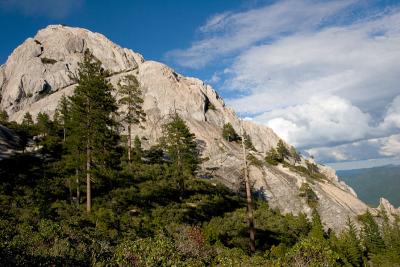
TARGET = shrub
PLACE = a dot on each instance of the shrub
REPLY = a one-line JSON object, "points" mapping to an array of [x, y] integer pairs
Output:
{"points": [[307, 192], [229, 134]]}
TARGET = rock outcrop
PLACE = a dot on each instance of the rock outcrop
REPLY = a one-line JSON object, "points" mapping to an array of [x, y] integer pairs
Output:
{"points": [[37, 74]]}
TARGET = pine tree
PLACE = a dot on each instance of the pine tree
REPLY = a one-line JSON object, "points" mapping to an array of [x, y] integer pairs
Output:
{"points": [[137, 149], [372, 239], [181, 148], [92, 123], [317, 229], [295, 155], [131, 97], [44, 124], [247, 142], [272, 157], [229, 134], [27, 120], [282, 151], [351, 244], [62, 114]]}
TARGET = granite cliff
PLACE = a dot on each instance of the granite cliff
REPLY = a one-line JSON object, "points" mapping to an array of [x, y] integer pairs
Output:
{"points": [[36, 75]]}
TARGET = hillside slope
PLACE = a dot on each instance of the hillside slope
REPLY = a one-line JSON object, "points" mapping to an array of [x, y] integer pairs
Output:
{"points": [[36, 75]]}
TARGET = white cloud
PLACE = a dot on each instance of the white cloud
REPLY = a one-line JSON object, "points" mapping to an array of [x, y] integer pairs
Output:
{"points": [[229, 32], [358, 150], [392, 118], [392, 146], [214, 79], [350, 62], [319, 121]]}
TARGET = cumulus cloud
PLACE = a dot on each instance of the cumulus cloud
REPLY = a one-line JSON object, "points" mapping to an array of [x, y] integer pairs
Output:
{"points": [[48, 8], [392, 118], [319, 121], [358, 150], [229, 32]]}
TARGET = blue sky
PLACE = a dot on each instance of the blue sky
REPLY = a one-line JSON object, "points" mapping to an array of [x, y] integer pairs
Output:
{"points": [[325, 75]]}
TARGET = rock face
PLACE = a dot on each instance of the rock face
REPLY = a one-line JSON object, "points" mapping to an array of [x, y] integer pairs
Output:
{"points": [[9, 142], [37, 74]]}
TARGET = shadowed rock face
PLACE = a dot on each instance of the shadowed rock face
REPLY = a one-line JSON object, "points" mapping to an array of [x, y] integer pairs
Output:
{"points": [[9, 142], [36, 75]]}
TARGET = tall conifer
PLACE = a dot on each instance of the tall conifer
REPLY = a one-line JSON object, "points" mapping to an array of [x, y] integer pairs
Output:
{"points": [[131, 97], [92, 123]]}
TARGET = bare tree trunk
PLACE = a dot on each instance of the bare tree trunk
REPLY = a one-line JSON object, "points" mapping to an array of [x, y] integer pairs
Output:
{"points": [[88, 187], [249, 197], [129, 143]]}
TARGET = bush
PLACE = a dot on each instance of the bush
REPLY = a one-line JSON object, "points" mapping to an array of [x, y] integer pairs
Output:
{"points": [[307, 192], [152, 251], [311, 252], [272, 157], [229, 134]]}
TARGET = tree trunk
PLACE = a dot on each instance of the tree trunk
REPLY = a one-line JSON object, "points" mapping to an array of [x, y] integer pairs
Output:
{"points": [[249, 198], [78, 192], [88, 187], [70, 190], [129, 143]]}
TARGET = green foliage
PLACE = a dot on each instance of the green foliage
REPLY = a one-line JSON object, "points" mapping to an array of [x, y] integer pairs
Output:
{"points": [[307, 192], [229, 134], [137, 149], [253, 160], [181, 147], [311, 252], [62, 115], [3, 116], [272, 157], [248, 143], [311, 171], [372, 239], [317, 229], [131, 97], [44, 125], [92, 124], [153, 212], [210, 106], [27, 121], [282, 151], [295, 155], [278, 155], [157, 251], [350, 245]]}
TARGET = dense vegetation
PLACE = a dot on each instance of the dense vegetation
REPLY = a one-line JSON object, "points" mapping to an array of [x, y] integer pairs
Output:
{"points": [[145, 207]]}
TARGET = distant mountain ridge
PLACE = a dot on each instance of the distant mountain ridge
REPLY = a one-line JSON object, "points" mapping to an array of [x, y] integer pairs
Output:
{"points": [[372, 183]]}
